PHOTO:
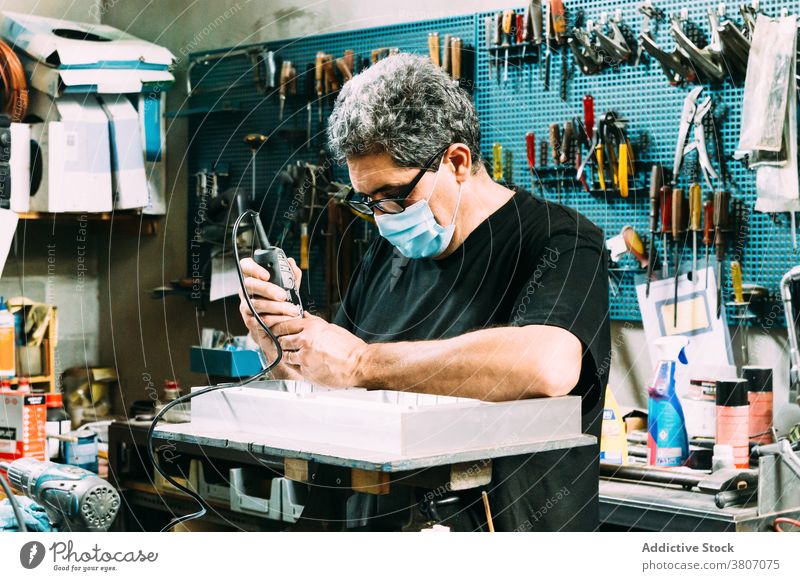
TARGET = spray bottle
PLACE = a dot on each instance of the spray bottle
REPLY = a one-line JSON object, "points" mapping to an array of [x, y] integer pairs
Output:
{"points": [[667, 439]]}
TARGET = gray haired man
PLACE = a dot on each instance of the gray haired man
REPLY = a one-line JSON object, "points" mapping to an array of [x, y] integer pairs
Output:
{"points": [[472, 290]]}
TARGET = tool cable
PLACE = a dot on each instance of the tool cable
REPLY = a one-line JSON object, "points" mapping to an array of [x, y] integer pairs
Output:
{"points": [[184, 398]]}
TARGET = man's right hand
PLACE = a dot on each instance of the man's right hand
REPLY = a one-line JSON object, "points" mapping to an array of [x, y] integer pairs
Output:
{"points": [[269, 300]]}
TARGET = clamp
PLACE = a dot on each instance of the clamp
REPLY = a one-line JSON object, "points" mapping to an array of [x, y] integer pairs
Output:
{"points": [[692, 117], [615, 45]]}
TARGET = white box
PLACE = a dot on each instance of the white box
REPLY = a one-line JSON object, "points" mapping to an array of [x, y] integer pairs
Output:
{"points": [[73, 147], [152, 126], [130, 185], [20, 167], [390, 422]]}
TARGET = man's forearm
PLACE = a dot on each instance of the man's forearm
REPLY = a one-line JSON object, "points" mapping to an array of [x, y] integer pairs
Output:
{"points": [[497, 364]]}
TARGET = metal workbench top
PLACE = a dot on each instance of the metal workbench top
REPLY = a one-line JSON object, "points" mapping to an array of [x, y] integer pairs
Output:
{"points": [[326, 453]]}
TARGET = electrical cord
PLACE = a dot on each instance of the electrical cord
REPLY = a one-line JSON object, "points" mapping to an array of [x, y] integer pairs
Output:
{"points": [[184, 398], [14, 86], [12, 499]]}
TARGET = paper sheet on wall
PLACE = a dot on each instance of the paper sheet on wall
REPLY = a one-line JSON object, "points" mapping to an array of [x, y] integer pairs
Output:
{"points": [[8, 225], [709, 339], [224, 279]]}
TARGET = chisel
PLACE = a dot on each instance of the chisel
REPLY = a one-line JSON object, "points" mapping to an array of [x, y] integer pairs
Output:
{"points": [[695, 218], [721, 224], [508, 22], [678, 226], [433, 48], [656, 181]]}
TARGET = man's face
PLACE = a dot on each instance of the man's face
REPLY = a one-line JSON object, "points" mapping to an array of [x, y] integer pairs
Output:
{"points": [[377, 177]]}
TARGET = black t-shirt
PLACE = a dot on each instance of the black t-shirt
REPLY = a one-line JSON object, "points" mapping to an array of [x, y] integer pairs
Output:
{"points": [[532, 262]]}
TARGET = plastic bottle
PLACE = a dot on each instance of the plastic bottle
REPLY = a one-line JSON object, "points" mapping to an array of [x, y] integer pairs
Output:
{"points": [[667, 439], [172, 390], [8, 366], [733, 418], [24, 384], [613, 440], [58, 422], [759, 396]]}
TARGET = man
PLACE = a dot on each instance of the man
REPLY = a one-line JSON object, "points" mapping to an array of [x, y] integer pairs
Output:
{"points": [[472, 290]]}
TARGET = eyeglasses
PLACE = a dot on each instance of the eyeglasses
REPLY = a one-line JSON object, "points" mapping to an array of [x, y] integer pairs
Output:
{"points": [[396, 204]]}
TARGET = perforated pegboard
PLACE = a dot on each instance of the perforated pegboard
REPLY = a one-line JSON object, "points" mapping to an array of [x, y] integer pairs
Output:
{"points": [[507, 111], [217, 138]]}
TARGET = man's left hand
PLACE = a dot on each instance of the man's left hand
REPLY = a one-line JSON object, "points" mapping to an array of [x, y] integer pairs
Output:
{"points": [[325, 353]]}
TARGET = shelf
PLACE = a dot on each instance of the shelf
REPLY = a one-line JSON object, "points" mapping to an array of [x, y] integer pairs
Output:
{"points": [[149, 222], [31, 380]]}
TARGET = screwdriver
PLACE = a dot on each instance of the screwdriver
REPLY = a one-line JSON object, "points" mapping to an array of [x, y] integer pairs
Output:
{"points": [[530, 150], [548, 31], [433, 47], [286, 71], [508, 21], [656, 181], [537, 22], [318, 76], [665, 203], [544, 151], [678, 214], [721, 224], [497, 161], [345, 67], [497, 41], [695, 218], [741, 306], [525, 31], [446, 65], [455, 58], [254, 141], [708, 219], [588, 115], [309, 88], [489, 24], [508, 166], [555, 152]]}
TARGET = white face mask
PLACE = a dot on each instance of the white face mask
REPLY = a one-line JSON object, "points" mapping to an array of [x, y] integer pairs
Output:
{"points": [[415, 231]]}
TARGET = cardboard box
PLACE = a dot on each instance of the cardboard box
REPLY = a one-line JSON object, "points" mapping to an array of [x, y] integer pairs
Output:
{"points": [[72, 146], [127, 158], [22, 425], [69, 44]]}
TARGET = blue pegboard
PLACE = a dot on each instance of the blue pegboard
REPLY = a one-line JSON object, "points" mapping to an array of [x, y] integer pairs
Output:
{"points": [[507, 110]]}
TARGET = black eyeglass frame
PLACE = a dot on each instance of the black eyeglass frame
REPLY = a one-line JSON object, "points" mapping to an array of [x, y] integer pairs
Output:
{"points": [[365, 206]]}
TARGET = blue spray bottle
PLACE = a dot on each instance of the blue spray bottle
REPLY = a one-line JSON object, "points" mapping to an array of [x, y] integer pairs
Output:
{"points": [[667, 439]]}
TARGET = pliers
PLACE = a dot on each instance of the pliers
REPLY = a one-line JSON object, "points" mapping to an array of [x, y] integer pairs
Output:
{"points": [[692, 117]]}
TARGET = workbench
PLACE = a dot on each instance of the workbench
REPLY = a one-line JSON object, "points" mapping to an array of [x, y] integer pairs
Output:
{"points": [[649, 507]]}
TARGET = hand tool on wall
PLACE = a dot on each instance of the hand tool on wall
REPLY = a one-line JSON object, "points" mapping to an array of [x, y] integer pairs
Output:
{"points": [[677, 67], [665, 203], [497, 41], [549, 40], [433, 48], [319, 78], [741, 307], [544, 154], [345, 65], [695, 218], [708, 60], [508, 24], [490, 32], [734, 45], [708, 228], [722, 201], [446, 54], [508, 166], [613, 45], [254, 141], [525, 31], [650, 14], [678, 227], [530, 150], [582, 141], [497, 162], [309, 89], [588, 114], [692, 118], [555, 152], [331, 82], [288, 73], [455, 58], [589, 59], [654, 195]]}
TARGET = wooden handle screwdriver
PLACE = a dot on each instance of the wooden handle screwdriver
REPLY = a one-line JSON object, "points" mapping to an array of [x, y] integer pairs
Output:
{"points": [[319, 76], [656, 181], [708, 221], [446, 60], [497, 162], [433, 47], [678, 226], [721, 225], [695, 218], [455, 58]]}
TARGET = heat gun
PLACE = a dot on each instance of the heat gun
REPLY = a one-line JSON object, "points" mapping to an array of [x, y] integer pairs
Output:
{"points": [[74, 499]]}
